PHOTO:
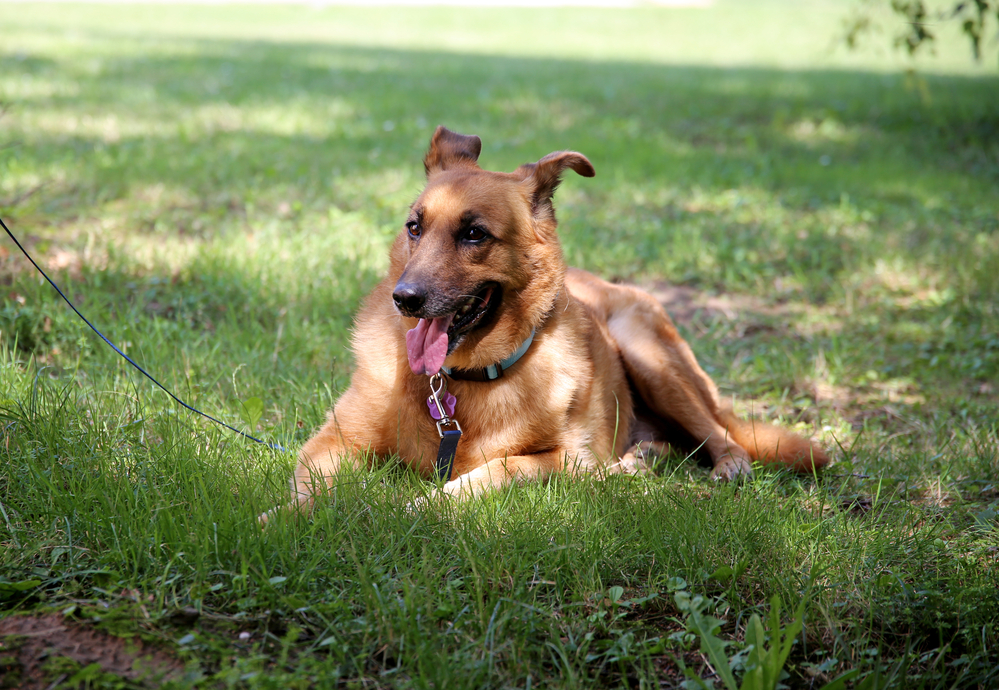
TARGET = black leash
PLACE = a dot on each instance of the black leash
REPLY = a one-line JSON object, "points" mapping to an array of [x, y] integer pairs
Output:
{"points": [[128, 359], [442, 402], [445, 454]]}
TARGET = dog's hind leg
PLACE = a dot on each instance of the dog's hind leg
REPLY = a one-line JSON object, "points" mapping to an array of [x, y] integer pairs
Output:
{"points": [[669, 380], [673, 386], [661, 367]]}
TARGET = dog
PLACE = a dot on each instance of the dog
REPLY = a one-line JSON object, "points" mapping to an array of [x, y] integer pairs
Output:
{"points": [[547, 368]]}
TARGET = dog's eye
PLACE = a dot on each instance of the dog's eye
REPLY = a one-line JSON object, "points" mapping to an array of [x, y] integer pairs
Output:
{"points": [[414, 229], [474, 234]]}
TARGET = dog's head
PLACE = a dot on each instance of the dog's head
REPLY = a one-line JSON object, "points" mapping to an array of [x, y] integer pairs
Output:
{"points": [[478, 262]]}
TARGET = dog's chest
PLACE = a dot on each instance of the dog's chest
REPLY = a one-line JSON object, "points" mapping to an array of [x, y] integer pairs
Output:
{"points": [[497, 419]]}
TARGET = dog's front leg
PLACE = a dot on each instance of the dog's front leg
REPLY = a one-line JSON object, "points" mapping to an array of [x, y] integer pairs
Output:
{"points": [[349, 432], [315, 471], [499, 472]]}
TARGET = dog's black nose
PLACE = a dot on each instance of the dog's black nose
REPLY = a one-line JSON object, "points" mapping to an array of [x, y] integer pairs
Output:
{"points": [[409, 298]]}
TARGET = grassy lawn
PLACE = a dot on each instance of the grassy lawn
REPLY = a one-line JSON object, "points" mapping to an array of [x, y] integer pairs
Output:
{"points": [[217, 186]]}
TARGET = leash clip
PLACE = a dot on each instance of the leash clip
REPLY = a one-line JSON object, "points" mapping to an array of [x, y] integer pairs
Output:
{"points": [[438, 387], [449, 439], [447, 422]]}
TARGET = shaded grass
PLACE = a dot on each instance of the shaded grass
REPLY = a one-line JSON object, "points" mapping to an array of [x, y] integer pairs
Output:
{"points": [[217, 188]]}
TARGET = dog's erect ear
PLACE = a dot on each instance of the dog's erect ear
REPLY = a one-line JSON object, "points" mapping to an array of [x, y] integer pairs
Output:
{"points": [[546, 175], [448, 149]]}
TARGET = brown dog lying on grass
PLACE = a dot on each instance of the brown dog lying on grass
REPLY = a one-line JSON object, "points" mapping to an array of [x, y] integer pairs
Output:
{"points": [[546, 368]]}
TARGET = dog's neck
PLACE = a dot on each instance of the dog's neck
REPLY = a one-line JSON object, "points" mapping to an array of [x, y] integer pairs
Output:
{"points": [[493, 371]]}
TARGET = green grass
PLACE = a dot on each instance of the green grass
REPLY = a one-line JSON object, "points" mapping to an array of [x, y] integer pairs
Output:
{"points": [[217, 187]]}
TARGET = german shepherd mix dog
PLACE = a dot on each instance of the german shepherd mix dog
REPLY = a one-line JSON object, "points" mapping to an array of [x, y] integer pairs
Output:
{"points": [[546, 368]]}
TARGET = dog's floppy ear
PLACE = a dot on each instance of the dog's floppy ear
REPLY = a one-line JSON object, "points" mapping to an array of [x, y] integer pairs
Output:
{"points": [[546, 174], [448, 149]]}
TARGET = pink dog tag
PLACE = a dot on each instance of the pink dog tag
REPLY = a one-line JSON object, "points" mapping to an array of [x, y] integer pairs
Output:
{"points": [[447, 402]]}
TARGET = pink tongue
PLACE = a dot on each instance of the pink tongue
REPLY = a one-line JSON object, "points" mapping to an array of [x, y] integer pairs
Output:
{"points": [[426, 345]]}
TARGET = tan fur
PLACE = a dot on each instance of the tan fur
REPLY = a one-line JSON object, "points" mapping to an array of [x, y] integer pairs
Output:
{"points": [[605, 380]]}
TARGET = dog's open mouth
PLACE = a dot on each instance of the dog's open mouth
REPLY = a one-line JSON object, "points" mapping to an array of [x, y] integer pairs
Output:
{"points": [[474, 311], [429, 344]]}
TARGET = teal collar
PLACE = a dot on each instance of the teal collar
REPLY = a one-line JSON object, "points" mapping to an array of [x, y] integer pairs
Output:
{"points": [[493, 371]]}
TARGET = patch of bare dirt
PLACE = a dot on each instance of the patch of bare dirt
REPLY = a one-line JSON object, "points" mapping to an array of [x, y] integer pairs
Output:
{"points": [[28, 642]]}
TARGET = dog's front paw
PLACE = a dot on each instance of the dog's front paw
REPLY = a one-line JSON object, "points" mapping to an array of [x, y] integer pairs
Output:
{"points": [[298, 505], [731, 467], [420, 503], [417, 505]]}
